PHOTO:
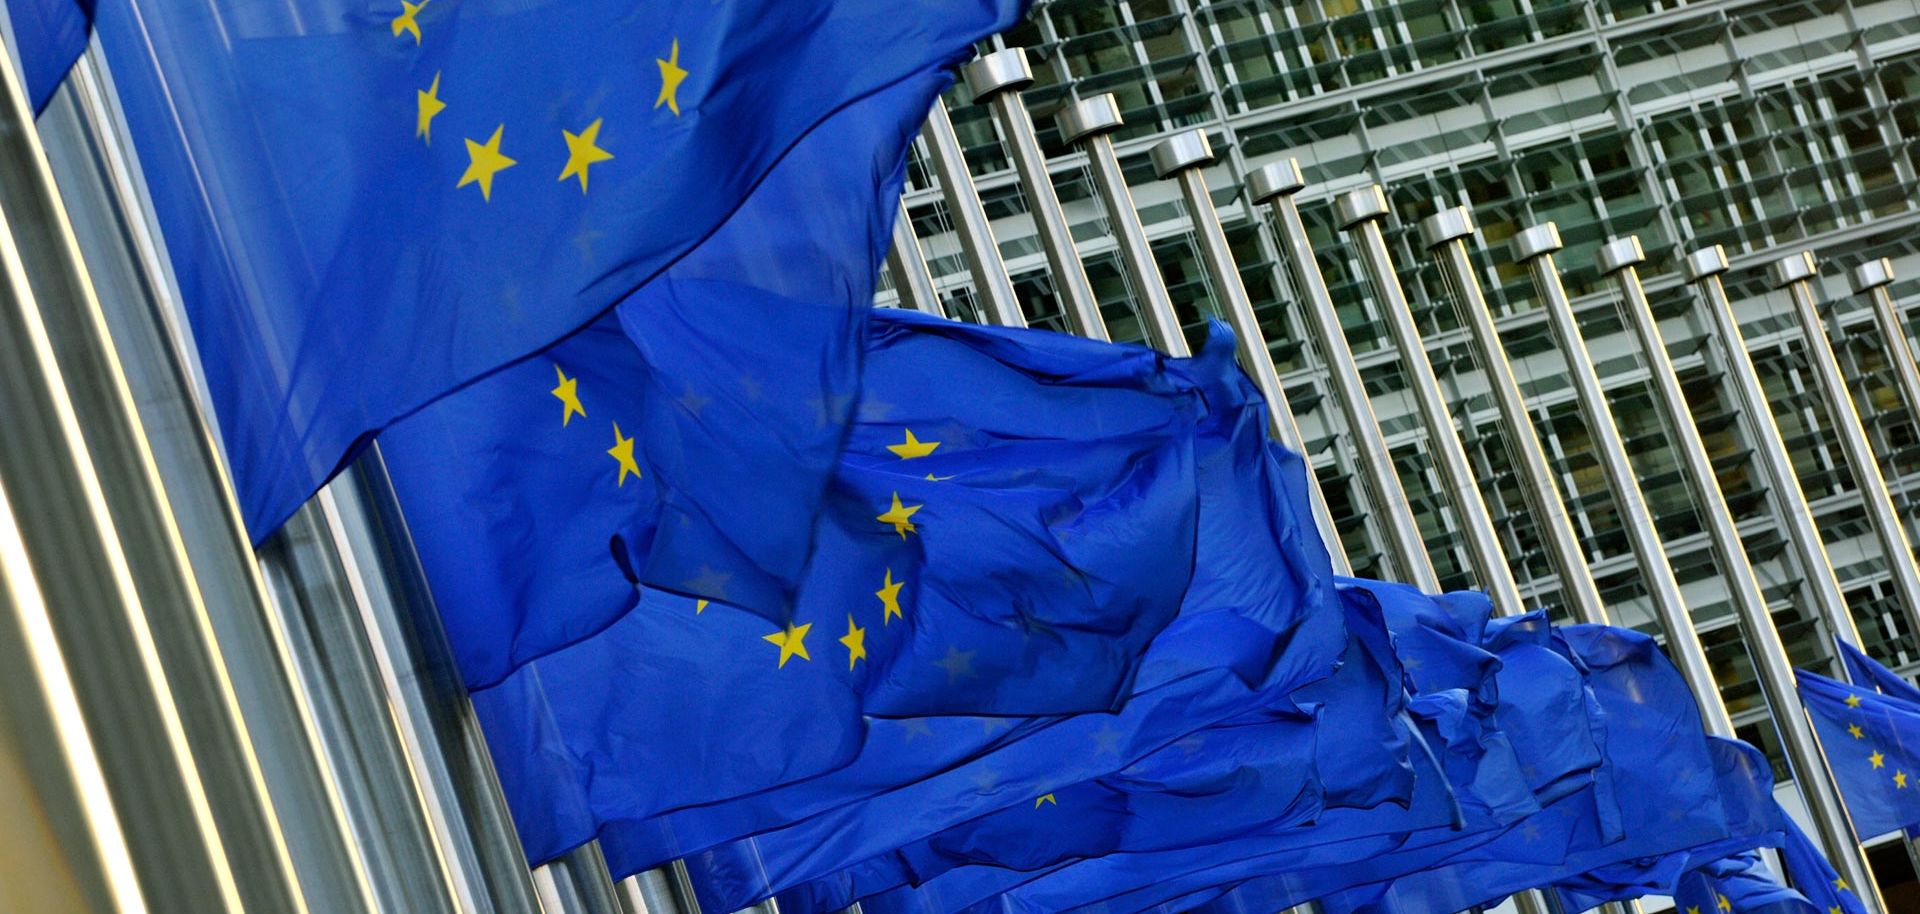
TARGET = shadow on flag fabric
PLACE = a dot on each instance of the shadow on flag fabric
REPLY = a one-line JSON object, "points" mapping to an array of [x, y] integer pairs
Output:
{"points": [[49, 35], [371, 203], [1872, 744]]}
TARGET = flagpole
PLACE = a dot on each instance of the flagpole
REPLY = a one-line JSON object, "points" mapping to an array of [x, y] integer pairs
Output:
{"points": [[1361, 213], [997, 79], [1276, 184], [1872, 279], [1621, 258], [1182, 157], [1703, 268], [982, 253], [577, 882], [908, 266], [1087, 123], [1795, 273], [1535, 247]]}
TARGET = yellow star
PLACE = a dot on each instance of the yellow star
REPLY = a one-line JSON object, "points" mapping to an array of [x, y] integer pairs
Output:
{"points": [[670, 78], [1723, 904], [1834, 909], [889, 594], [569, 393], [581, 152], [405, 22], [898, 516], [791, 642], [1693, 909], [933, 478], [1853, 701], [699, 606], [913, 447], [622, 451], [856, 641], [430, 107], [483, 160], [1856, 731], [1900, 781], [1840, 885], [1878, 760], [1045, 798]]}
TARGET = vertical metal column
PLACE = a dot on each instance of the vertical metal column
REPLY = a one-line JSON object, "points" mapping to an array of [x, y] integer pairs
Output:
{"points": [[1445, 234], [1621, 258], [1703, 268], [1795, 274], [1088, 123], [990, 280], [1361, 212], [1276, 184], [1182, 157], [997, 79], [73, 546], [1534, 247], [577, 882], [909, 267], [1872, 279]]}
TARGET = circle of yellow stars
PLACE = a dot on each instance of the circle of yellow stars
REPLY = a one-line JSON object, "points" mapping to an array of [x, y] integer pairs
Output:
{"points": [[485, 159]]}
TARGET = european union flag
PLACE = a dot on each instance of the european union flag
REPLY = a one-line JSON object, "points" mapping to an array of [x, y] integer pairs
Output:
{"points": [[1865, 671], [49, 36], [372, 202], [1815, 877], [1739, 884], [1872, 744]]}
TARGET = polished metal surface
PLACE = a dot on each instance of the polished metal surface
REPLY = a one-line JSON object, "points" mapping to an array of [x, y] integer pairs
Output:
{"points": [[1871, 275], [1861, 462], [577, 882], [63, 498], [1277, 184], [1775, 670], [990, 283], [1447, 233], [1180, 152], [652, 892], [908, 266], [1255, 359], [1535, 246], [1621, 253], [996, 77], [1793, 268], [1090, 120], [1361, 211], [1892, 325], [1700, 264]]}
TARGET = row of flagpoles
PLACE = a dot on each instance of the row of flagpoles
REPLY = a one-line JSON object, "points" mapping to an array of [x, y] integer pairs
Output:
{"points": [[289, 734]]}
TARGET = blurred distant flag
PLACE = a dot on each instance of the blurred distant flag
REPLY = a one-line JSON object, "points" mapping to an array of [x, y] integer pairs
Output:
{"points": [[370, 204], [48, 36]]}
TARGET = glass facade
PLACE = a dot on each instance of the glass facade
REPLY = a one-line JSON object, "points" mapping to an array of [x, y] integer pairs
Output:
{"points": [[1766, 127]]}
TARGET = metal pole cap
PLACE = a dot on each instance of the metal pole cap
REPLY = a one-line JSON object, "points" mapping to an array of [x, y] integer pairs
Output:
{"points": [[1791, 269], [1000, 71], [1357, 206], [1619, 254], [1446, 225], [1089, 116], [1535, 241], [1180, 152], [1274, 180], [1872, 275], [1708, 261]]}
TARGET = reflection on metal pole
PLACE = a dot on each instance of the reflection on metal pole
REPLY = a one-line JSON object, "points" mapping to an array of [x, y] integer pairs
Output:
{"points": [[997, 79], [1182, 157], [1277, 183], [909, 268], [1795, 274], [1088, 123], [982, 254], [1703, 268], [577, 882], [1445, 234], [1621, 258], [1872, 279], [1534, 247], [1361, 212]]}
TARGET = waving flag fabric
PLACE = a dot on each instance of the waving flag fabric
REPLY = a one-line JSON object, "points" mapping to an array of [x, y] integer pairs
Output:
{"points": [[1872, 744], [49, 36]]}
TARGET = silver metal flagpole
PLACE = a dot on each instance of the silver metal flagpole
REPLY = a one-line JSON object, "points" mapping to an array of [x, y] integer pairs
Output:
{"points": [[909, 268], [1703, 268], [577, 882], [997, 79], [1621, 259], [1445, 234], [1361, 212], [981, 252], [1872, 279], [1535, 247], [1183, 157], [1276, 184], [1795, 274], [1088, 123]]}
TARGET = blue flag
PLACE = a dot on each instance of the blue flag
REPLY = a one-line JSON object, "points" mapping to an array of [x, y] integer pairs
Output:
{"points": [[1738, 884], [1865, 671], [1872, 744], [49, 35], [1814, 876], [371, 203]]}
